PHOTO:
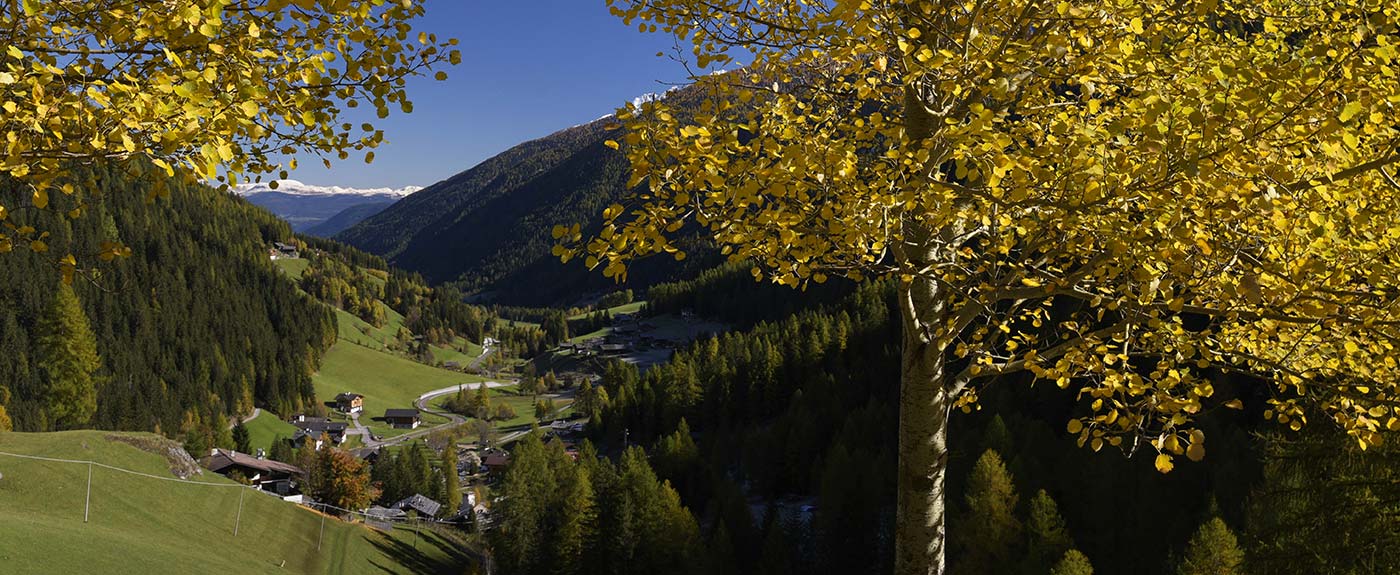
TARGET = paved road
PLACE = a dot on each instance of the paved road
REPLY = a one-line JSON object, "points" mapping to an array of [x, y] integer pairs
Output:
{"points": [[422, 403], [487, 347], [256, 413]]}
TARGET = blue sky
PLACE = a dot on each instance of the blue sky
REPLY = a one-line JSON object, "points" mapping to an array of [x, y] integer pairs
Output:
{"points": [[529, 68]]}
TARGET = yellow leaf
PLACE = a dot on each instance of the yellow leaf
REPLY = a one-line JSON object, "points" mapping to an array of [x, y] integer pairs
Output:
{"points": [[1196, 452], [1350, 110], [1234, 404], [1030, 282], [1075, 426], [41, 198], [1164, 463]]}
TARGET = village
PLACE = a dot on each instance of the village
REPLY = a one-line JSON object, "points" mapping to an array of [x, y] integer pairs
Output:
{"points": [[479, 447], [479, 464]]}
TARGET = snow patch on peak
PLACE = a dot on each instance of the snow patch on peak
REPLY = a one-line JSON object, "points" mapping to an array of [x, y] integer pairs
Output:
{"points": [[652, 96], [297, 188]]}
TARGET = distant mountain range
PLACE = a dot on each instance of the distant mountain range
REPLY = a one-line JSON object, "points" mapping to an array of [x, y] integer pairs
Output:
{"points": [[321, 210], [487, 230]]}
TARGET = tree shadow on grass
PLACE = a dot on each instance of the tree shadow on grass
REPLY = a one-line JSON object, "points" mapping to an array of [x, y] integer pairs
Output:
{"points": [[451, 560]]}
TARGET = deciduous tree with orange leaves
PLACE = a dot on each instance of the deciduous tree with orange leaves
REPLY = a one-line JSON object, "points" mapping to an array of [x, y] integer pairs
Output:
{"points": [[1119, 198]]}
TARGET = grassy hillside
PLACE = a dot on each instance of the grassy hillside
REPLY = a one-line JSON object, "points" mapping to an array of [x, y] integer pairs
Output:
{"points": [[265, 428], [141, 525], [294, 267], [386, 381]]}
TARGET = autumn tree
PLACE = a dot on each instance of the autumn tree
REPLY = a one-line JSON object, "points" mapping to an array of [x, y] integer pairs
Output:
{"points": [[68, 358], [1213, 550], [346, 480], [991, 528], [1046, 535], [187, 87], [1116, 198], [1073, 563]]}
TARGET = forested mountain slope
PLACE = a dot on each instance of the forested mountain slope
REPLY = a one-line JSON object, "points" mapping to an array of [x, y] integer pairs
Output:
{"points": [[196, 325], [780, 437], [487, 230]]}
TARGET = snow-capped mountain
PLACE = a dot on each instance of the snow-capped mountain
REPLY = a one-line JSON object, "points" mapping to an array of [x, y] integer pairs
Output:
{"points": [[321, 210], [297, 188]]}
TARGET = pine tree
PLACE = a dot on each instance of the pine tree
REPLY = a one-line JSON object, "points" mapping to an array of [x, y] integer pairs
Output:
{"points": [[991, 530], [997, 437], [578, 524], [282, 450], [67, 360], [1073, 563], [1046, 536], [452, 493], [1213, 550]]}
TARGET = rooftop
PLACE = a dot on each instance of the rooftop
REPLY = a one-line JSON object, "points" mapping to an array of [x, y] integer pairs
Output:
{"points": [[401, 413], [223, 458]]}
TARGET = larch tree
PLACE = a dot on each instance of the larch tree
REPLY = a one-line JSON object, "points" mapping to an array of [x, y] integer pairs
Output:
{"points": [[991, 531], [1047, 538], [1073, 563], [68, 359], [186, 88], [1213, 550], [1119, 198]]}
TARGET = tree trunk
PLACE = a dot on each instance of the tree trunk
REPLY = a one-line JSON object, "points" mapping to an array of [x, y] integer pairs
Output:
{"points": [[920, 534], [924, 402]]}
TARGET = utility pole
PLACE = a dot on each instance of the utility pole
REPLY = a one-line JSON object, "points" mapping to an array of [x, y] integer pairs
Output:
{"points": [[239, 518], [323, 528], [87, 502]]}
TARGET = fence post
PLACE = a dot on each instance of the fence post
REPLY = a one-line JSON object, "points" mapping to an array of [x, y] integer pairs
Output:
{"points": [[323, 528], [239, 518], [87, 501]]}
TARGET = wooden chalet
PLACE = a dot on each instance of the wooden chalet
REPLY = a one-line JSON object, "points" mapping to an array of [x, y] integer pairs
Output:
{"points": [[265, 474], [402, 418], [350, 402]]}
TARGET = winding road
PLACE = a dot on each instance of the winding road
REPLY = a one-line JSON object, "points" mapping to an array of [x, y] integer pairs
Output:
{"points": [[422, 404], [256, 412]]}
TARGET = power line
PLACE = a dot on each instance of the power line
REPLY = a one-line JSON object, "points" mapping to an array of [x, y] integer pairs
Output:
{"points": [[115, 468], [314, 505]]}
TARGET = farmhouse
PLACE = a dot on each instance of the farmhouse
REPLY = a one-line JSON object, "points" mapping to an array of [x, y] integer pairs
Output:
{"points": [[350, 402], [284, 251], [424, 506], [496, 462], [402, 418], [312, 428], [265, 474]]}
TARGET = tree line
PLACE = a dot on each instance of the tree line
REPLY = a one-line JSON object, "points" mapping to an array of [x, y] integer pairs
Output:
{"points": [[560, 515]]}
